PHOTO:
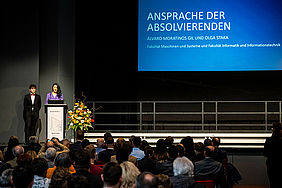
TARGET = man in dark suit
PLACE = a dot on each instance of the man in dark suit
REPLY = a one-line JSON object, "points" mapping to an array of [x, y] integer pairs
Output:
{"points": [[32, 105], [78, 144], [208, 168]]}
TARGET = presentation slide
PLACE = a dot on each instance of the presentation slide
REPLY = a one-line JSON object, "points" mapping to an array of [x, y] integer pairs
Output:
{"points": [[209, 35]]}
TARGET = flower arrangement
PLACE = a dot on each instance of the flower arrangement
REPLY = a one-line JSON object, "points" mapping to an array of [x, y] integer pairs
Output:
{"points": [[80, 117]]}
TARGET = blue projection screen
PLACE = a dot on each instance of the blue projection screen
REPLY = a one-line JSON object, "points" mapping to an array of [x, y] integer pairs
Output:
{"points": [[209, 35]]}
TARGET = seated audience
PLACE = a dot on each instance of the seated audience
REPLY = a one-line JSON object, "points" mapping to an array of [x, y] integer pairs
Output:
{"points": [[183, 170], [6, 178], [144, 144], [100, 145], [220, 154], [112, 175], [164, 181], [3, 164], [207, 142], [199, 152], [160, 153], [105, 156], [123, 153], [50, 156], [77, 145], [17, 151], [136, 152], [75, 181], [54, 142], [66, 143], [25, 160], [62, 160], [8, 153], [82, 166], [188, 144], [85, 143], [208, 168], [181, 150], [129, 174], [59, 178], [22, 177], [169, 141], [107, 135], [148, 163], [32, 153], [95, 170], [33, 144], [166, 167], [39, 167], [146, 180]]}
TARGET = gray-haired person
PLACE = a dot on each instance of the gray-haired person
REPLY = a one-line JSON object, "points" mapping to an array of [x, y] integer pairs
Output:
{"points": [[183, 170], [50, 156]]}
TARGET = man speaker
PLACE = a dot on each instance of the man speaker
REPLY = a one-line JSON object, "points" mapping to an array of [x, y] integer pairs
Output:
{"points": [[32, 105]]}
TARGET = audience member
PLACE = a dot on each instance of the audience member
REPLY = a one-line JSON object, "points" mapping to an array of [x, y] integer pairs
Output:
{"points": [[54, 142], [82, 166], [188, 144], [148, 163], [50, 156], [32, 153], [146, 180], [164, 181], [166, 167], [181, 150], [107, 135], [3, 164], [144, 144], [160, 153], [22, 177], [169, 141], [1, 155], [6, 178], [129, 174], [33, 144], [199, 152], [123, 153], [62, 160], [112, 175], [273, 152], [39, 167], [8, 153], [85, 143], [17, 151], [120, 141], [66, 143], [220, 154], [100, 144], [25, 160], [95, 170], [183, 170], [75, 181], [77, 145], [208, 168], [136, 152], [105, 156], [59, 178], [207, 142]]}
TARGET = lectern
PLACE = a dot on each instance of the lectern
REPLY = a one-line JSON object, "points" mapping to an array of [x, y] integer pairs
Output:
{"points": [[55, 120]]}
